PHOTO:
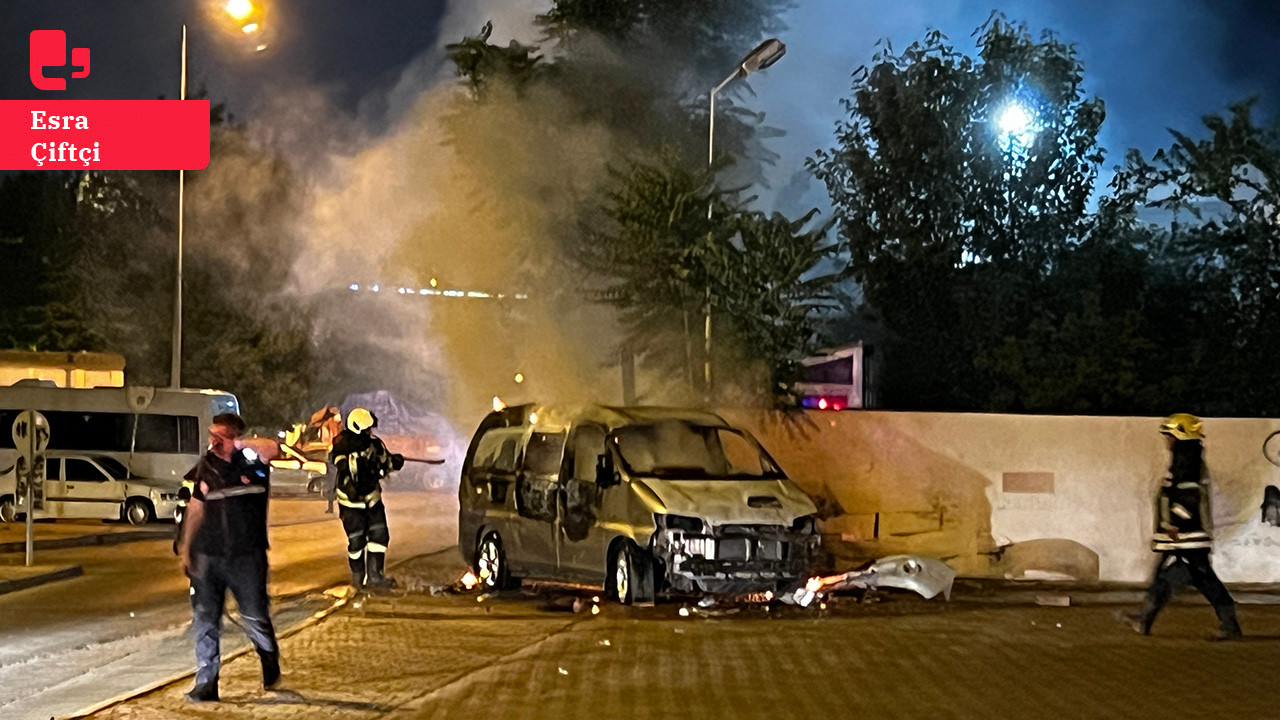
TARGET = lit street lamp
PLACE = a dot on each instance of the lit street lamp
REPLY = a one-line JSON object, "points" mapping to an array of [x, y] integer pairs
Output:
{"points": [[1018, 126], [765, 54], [250, 18]]}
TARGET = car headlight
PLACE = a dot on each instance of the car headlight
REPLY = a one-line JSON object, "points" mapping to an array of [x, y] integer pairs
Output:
{"points": [[684, 522], [805, 523]]}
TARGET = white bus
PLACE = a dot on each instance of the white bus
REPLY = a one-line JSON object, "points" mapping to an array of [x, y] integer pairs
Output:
{"points": [[156, 433]]}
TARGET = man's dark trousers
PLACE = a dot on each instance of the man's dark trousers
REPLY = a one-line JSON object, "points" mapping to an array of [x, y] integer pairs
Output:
{"points": [[245, 575]]}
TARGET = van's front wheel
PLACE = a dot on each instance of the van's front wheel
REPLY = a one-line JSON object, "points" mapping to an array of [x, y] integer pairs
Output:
{"points": [[491, 564], [631, 575]]}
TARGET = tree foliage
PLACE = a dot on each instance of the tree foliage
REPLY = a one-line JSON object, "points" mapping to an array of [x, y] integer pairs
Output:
{"points": [[999, 288], [951, 227], [673, 247]]}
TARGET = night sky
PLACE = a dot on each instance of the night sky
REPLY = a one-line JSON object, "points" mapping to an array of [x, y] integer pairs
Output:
{"points": [[1157, 63]]}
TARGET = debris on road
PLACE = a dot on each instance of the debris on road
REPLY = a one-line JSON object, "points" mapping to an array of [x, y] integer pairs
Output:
{"points": [[924, 575]]}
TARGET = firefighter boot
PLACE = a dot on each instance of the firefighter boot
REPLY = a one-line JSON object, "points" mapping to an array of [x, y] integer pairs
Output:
{"points": [[377, 580], [1228, 625], [357, 572]]}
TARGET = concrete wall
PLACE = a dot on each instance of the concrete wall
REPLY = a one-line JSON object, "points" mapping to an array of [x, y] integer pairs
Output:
{"points": [[1008, 495]]}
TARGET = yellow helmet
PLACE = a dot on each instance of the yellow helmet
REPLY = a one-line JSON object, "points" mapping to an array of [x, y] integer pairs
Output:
{"points": [[1182, 426], [359, 420]]}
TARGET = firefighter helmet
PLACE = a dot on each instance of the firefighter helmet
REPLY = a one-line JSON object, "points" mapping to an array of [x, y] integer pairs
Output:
{"points": [[1182, 426], [359, 420]]}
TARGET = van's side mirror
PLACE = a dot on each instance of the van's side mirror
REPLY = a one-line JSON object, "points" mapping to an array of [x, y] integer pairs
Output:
{"points": [[604, 471]]}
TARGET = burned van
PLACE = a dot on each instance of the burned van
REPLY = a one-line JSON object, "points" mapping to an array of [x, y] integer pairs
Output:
{"points": [[638, 499]]}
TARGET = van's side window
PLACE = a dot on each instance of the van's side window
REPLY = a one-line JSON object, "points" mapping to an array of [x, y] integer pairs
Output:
{"points": [[536, 486], [588, 446]]}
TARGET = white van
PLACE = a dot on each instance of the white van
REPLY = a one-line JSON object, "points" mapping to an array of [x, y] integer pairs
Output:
{"points": [[636, 499]]}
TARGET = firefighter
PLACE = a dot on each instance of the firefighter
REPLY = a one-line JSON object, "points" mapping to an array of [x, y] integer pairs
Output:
{"points": [[361, 461], [1184, 531]]}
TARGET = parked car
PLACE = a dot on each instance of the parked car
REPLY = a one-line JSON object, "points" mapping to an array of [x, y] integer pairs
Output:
{"points": [[79, 485], [298, 472], [638, 499]]}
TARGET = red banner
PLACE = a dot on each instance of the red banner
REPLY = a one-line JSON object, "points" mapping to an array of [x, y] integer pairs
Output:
{"points": [[104, 134]]}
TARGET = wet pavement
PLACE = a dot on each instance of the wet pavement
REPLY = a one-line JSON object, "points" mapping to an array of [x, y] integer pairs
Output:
{"points": [[422, 653]]}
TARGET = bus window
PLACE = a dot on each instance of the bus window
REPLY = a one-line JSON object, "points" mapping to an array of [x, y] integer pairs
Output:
{"points": [[105, 431], [189, 435]]}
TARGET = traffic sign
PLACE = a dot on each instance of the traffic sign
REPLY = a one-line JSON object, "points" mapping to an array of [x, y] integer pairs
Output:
{"points": [[30, 433]]}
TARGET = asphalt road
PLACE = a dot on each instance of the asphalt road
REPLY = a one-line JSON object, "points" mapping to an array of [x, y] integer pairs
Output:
{"points": [[122, 625]]}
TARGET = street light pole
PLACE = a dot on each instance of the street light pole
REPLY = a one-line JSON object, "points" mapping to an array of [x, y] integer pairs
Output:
{"points": [[175, 367], [765, 54], [250, 18]]}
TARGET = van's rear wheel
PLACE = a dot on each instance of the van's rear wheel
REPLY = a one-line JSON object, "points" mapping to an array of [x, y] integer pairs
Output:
{"points": [[491, 564], [8, 510], [631, 575], [138, 511]]}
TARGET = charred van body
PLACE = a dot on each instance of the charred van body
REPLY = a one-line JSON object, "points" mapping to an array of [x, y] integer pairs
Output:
{"points": [[637, 499]]}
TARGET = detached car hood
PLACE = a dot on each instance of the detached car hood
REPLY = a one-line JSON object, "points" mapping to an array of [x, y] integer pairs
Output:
{"points": [[736, 502]]}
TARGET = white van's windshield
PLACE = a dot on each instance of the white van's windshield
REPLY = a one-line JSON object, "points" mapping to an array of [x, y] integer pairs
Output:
{"points": [[679, 450]]}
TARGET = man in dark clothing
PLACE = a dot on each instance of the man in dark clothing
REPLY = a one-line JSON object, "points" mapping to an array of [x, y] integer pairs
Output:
{"points": [[361, 462], [1183, 534], [223, 545]]}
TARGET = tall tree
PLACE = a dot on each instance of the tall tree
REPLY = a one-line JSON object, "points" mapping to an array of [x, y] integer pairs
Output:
{"points": [[950, 223], [672, 247], [1218, 311]]}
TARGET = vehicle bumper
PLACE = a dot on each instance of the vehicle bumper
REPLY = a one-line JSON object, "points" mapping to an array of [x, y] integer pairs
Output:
{"points": [[735, 561]]}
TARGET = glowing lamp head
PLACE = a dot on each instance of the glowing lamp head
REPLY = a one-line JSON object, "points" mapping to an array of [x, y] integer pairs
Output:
{"points": [[1014, 119], [239, 9]]}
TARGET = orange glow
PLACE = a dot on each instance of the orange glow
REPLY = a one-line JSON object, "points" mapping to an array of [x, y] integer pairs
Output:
{"points": [[595, 609], [249, 28], [469, 580], [814, 584], [239, 9], [498, 405]]}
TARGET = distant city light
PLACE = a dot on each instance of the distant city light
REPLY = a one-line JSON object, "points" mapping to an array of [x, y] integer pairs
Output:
{"points": [[452, 293]]}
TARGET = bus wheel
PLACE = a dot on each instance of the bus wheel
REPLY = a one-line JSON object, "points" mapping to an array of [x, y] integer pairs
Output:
{"points": [[8, 510], [138, 511]]}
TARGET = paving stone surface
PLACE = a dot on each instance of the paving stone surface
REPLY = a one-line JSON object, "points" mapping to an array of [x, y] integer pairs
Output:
{"points": [[415, 654]]}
